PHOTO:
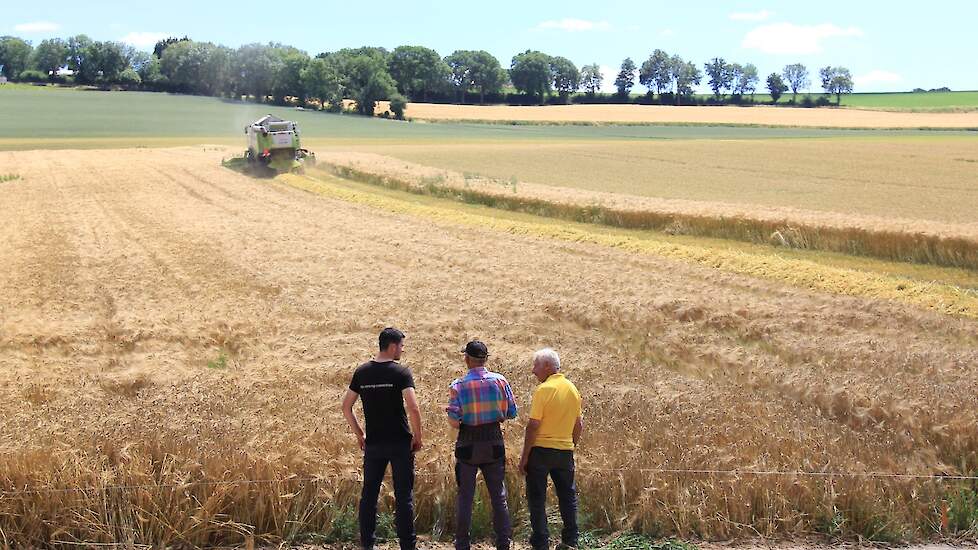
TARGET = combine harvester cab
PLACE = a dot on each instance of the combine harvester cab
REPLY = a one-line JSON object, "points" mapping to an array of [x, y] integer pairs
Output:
{"points": [[274, 143]]}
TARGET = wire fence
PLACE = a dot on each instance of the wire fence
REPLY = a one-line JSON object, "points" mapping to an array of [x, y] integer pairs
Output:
{"points": [[619, 471]]}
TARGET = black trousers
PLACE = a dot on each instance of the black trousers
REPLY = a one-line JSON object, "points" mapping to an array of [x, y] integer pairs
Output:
{"points": [[375, 460], [558, 465]]}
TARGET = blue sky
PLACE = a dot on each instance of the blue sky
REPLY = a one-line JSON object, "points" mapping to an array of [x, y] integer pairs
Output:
{"points": [[889, 46]]}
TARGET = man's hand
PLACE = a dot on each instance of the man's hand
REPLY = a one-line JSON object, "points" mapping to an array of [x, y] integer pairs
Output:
{"points": [[532, 427], [414, 417], [347, 406]]}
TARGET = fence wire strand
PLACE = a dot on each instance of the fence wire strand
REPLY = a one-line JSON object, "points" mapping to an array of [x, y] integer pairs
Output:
{"points": [[356, 477]]}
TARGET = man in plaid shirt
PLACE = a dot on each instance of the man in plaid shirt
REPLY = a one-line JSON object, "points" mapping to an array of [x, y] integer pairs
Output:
{"points": [[478, 404]]}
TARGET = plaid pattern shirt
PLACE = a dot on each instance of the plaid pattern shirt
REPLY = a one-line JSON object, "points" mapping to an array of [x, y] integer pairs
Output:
{"points": [[481, 397]]}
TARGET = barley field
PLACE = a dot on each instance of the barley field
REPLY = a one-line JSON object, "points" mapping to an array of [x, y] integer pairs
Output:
{"points": [[176, 336]]}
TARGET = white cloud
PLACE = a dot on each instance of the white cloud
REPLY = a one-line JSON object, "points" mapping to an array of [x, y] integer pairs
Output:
{"points": [[751, 16], [37, 26], [575, 25], [788, 38], [876, 77], [144, 39], [667, 33]]}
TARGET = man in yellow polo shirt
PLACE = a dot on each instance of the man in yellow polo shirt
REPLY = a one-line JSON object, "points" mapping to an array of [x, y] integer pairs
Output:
{"points": [[552, 434]]}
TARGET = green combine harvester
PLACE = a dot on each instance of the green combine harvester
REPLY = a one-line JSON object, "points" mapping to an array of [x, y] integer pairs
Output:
{"points": [[273, 144]]}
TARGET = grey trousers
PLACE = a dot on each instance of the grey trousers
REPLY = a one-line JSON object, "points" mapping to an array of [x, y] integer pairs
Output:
{"points": [[494, 473]]}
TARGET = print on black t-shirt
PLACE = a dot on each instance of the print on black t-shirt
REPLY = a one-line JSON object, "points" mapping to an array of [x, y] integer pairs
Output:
{"points": [[379, 386]]}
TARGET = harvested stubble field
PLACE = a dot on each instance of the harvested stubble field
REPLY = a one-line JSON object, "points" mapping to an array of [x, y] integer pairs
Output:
{"points": [[165, 321], [669, 114]]}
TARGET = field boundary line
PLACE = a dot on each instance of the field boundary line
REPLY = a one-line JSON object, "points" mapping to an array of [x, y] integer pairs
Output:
{"points": [[696, 124], [358, 478]]}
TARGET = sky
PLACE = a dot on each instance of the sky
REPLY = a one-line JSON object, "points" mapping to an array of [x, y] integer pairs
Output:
{"points": [[888, 46]]}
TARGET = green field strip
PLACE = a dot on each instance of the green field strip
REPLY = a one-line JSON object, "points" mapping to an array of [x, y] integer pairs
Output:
{"points": [[64, 115]]}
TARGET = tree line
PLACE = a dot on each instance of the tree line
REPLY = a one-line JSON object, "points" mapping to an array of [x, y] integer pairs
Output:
{"points": [[281, 73]]}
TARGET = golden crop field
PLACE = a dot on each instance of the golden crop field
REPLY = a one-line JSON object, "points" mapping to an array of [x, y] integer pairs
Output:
{"points": [[917, 178], [875, 236], [659, 114], [171, 329]]}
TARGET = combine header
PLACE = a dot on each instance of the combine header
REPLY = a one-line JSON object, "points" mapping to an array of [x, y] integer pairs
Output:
{"points": [[273, 143]]}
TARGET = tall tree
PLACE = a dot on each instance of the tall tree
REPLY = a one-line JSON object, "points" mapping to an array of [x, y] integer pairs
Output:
{"points": [[105, 61], [736, 73], [367, 81], [745, 79], [321, 80], [15, 54], [836, 80], [254, 69], [656, 73], [626, 77], [162, 45], [287, 79], [796, 76], [50, 56], [721, 75], [591, 78], [151, 76], [418, 71], [776, 87], [183, 66], [219, 68], [486, 73], [460, 67], [567, 79], [77, 46], [530, 73], [686, 76]]}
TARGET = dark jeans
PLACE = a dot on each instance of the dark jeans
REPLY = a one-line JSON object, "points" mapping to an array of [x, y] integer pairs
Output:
{"points": [[375, 460], [559, 466], [494, 473]]}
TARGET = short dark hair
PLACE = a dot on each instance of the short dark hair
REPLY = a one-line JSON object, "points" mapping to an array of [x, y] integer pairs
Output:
{"points": [[388, 336]]}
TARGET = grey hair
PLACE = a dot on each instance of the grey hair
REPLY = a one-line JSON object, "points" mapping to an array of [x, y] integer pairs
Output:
{"points": [[548, 356]]}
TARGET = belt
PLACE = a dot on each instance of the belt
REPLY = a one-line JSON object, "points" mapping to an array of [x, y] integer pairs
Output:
{"points": [[483, 433]]}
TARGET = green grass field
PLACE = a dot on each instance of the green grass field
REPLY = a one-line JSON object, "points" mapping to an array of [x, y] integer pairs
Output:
{"points": [[891, 101], [899, 101], [912, 101], [48, 117]]}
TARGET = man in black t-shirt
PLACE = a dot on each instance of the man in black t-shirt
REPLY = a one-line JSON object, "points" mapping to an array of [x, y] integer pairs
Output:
{"points": [[393, 435]]}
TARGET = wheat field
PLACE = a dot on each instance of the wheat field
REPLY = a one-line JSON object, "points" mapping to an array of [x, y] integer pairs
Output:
{"points": [[170, 329], [668, 114], [919, 178], [890, 238]]}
